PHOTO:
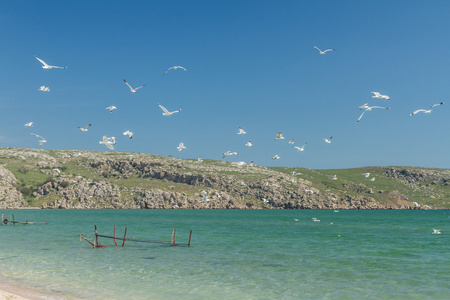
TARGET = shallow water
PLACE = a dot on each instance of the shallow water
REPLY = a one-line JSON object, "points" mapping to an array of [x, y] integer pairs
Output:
{"points": [[234, 254]]}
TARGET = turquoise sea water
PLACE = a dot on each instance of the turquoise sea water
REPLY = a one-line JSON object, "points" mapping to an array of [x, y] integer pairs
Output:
{"points": [[234, 254]]}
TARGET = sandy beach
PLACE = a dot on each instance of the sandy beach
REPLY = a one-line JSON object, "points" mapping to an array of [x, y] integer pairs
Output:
{"points": [[10, 291]]}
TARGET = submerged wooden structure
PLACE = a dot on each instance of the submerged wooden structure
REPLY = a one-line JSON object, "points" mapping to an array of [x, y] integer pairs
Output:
{"points": [[6, 221], [95, 243]]}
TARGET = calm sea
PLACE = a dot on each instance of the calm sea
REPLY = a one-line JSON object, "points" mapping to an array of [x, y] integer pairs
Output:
{"points": [[234, 254]]}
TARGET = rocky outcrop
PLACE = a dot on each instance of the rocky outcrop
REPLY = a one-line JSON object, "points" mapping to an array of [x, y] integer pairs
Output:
{"points": [[10, 197]]}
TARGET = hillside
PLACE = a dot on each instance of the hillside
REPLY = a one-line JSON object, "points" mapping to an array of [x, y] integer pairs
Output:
{"points": [[87, 179]]}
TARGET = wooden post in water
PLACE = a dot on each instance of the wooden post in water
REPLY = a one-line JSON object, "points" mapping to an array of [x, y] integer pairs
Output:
{"points": [[190, 234], [174, 236], [115, 235], [96, 238], [124, 236]]}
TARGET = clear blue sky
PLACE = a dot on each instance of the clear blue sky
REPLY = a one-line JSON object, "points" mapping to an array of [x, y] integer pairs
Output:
{"points": [[251, 64]]}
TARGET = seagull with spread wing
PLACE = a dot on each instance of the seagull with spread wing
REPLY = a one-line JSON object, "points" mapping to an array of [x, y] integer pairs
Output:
{"points": [[427, 111], [174, 68], [300, 148], [325, 51], [107, 142], [44, 88], [181, 146], [129, 133], [29, 124], [241, 131], [328, 141], [166, 112], [41, 141], [369, 108], [111, 108], [379, 96], [279, 136], [46, 66], [84, 128], [131, 89]]}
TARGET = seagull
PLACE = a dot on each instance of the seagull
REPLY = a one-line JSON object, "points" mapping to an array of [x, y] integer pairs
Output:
{"points": [[84, 128], [129, 133], [181, 146], [334, 177], [111, 108], [166, 112], [436, 231], [291, 141], [46, 66], [379, 96], [372, 179], [369, 109], [248, 144], [323, 52], [174, 68], [366, 175], [300, 148], [205, 198], [279, 136], [425, 110], [107, 142], [44, 88], [199, 159], [41, 142], [229, 153], [30, 124], [328, 141], [296, 220], [276, 157], [57, 170], [241, 131], [131, 89]]}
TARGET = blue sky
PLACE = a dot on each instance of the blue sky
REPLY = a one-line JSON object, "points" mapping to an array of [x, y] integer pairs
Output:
{"points": [[251, 64]]}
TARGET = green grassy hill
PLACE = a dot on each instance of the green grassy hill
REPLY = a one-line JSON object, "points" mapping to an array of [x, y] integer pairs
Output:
{"points": [[91, 179]]}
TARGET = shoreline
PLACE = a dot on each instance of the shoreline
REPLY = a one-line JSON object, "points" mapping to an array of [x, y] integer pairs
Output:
{"points": [[12, 291]]}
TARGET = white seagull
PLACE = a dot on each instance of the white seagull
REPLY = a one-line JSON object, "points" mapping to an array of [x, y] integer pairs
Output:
{"points": [[166, 112], [131, 89], [30, 124], [84, 128], [107, 142], [334, 177], [325, 51], [364, 106], [276, 157], [241, 131], [427, 111], [112, 140], [44, 88], [129, 133], [366, 175], [379, 96], [302, 148], [436, 231], [369, 109], [181, 146], [229, 153], [279, 136], [174, 68], [46, 66], [291, 142], [111, 108], [248, 144], [42, 141], [328, 141]]}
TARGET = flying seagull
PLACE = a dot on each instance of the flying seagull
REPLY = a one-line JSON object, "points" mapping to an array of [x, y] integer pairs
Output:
{"points": [[30, 124], [436, 231], [181, 146], [84, 128], [291, 142], [229, 153], [42, 141], [379, 96], [369, 108], [174, 68], [111, 108], [325, 51], [44, 88], [364, 106], [131, 89], [241, 131], [129, 133], [427, 111], [248, 144], [366, 175], [276, 157], [300, 148], [107, 142], [328, 141], [166, 112], [112, 140], [279, 136], [46, 66]]}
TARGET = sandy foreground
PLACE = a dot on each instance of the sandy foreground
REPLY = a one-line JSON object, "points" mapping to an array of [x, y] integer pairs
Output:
{"points": [[10, 291]]}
